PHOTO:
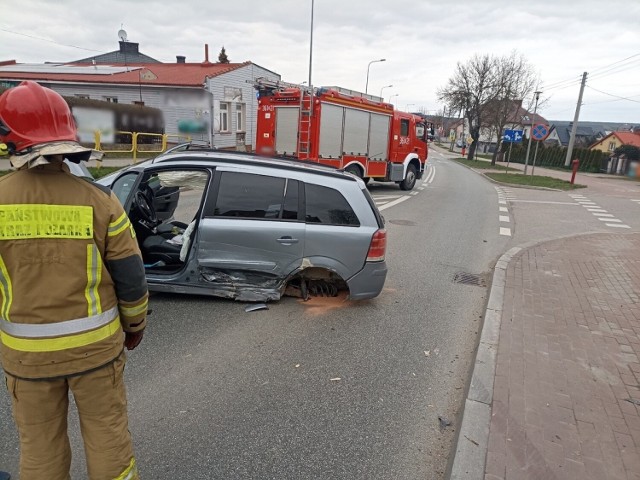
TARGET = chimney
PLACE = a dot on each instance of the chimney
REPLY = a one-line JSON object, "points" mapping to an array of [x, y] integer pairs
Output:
{"points": [[181, 59], [128, 47], [206, 53]]}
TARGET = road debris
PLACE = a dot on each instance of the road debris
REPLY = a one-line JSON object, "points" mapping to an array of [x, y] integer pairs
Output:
{"points": [[337, 379], [472, 441], [427, 353], [633, 400], [256, 306], [444, 422]]}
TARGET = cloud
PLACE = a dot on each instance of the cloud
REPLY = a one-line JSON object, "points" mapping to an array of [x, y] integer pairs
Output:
{"points": [[421, 41]]}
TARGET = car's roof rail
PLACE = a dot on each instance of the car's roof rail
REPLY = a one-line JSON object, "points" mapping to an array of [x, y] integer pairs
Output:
{"points": [[251, 158]]}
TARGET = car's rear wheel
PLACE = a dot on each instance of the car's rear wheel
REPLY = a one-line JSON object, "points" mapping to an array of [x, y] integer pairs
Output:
{"points": [[410, 179]]}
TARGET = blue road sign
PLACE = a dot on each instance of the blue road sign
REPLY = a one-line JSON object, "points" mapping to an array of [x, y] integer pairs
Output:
{"points": [[539, 132], [512, 136]]}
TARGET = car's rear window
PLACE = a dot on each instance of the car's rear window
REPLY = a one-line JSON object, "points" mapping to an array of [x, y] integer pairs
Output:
{"points": [[256, 196], [327, 206]]}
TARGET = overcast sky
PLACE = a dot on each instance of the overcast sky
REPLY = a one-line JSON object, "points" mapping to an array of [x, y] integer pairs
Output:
{"points": [[421, 40]]}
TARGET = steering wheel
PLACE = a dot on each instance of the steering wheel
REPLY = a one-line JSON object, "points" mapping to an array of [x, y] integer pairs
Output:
{"points": [[145, 208]]}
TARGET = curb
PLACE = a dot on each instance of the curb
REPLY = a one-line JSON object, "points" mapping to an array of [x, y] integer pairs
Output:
{"points": [[472, 442], [473, 435]]}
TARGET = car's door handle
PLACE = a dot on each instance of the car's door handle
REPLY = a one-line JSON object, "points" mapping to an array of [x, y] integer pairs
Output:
{"points": [[287, 240]]}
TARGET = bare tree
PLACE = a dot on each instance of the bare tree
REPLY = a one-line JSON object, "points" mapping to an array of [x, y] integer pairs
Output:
{"points": [[471, 88], [489, 92], [516, 81]]}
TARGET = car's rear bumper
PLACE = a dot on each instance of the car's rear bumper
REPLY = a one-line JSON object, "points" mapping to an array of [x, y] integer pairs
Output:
{"points": [[368, 282]]}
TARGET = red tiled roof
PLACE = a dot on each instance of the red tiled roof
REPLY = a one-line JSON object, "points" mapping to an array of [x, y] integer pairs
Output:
{"points": [[628, 138], [165, 74]]}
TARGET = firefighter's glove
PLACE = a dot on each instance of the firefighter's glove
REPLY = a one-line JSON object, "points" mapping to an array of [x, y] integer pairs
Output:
{"points": [[132, 339]]}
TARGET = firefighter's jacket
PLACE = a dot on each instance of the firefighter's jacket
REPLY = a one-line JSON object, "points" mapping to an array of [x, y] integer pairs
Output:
{"points": [[71, 274]]}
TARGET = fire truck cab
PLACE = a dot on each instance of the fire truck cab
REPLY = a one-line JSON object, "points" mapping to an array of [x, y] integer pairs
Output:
{"points": [[345, 129]]}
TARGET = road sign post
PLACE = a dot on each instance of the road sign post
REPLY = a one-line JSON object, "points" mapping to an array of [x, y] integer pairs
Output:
{"points": [[538, 133], [511, 137]]}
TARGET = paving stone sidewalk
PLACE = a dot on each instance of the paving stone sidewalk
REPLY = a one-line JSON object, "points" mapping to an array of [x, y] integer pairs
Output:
{"points": [[566, 396]]}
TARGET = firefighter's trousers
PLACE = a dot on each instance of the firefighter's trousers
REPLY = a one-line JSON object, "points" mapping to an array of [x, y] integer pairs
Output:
{"points": [[40, 411]]}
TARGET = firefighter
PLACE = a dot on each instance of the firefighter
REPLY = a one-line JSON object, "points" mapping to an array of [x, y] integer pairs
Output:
{"points": [[73, 294]]}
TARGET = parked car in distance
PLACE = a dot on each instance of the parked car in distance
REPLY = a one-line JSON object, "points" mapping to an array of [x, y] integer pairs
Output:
{"points": [[235, 225]]}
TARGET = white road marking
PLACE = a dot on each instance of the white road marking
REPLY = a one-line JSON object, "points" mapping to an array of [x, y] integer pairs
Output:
{"points": [[505, 231], [385, 197], [602, 215], [610, 220], [395, 202], [619, 225], [550, 203], [502, 202], [414, 193], [504, 209], [599, 210], [635, 200], [504, 218], [584, 204]]}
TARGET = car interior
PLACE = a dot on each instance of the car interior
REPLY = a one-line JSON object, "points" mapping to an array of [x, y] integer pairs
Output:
{"points": [[164, 215]]}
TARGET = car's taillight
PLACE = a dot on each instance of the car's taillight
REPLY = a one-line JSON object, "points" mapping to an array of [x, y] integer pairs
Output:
{"points": [[378, 246]]}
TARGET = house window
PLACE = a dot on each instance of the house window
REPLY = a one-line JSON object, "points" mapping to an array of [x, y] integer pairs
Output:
{"points": [[224, 116], [240, 125], [111, 99], [612, 146], [77, 95]]}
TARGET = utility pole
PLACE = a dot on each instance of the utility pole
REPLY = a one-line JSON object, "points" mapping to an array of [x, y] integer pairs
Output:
{"points": [[535, 109], [574, 127]]}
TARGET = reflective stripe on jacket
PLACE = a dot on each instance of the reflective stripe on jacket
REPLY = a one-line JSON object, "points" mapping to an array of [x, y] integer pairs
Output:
{"points": [[71, 274]]}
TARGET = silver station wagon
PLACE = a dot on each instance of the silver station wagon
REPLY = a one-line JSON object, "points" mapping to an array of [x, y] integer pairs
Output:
{"points": [[252, 228]]}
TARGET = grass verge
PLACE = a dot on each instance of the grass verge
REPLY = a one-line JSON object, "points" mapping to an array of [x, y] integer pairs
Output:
{"points": [[533, 181], [97, 172], [482, 165]]}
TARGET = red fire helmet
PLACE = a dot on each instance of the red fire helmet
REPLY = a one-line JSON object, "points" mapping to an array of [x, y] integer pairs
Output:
{"points": [[31, 114]]}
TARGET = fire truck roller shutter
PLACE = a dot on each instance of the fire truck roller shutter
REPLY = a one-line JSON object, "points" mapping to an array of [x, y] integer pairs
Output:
{"points": [[379, 136], [330, 131], [287, 130], [356, 132]]}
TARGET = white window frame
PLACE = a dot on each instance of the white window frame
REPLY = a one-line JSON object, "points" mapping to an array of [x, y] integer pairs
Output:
{"points": [[224, 116], [240, 117], [110, 99]]}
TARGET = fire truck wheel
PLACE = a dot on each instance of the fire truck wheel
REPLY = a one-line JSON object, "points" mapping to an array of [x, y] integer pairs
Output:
{"points": [[410, 180], [354, 170]]}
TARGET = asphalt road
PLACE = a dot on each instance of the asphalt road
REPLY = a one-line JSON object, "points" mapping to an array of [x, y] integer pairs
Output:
{"points": [[325, 389]]}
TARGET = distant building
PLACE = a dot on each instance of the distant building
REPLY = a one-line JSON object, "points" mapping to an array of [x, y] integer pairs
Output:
{"points": [[191, 95], [586, 132], [617, 139], [128, 54]]}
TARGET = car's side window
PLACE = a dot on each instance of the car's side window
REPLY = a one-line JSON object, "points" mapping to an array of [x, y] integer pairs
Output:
{"points": [[252, 196], [327, 206], [123, 185]]}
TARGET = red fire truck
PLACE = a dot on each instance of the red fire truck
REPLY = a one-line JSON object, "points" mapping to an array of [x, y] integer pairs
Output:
{"points": [[330, 125]]}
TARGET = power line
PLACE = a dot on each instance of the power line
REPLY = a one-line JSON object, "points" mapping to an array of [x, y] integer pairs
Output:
{"points": [[617, 69], [618, 97], [614, 63], [562, 83], [50, 41]]}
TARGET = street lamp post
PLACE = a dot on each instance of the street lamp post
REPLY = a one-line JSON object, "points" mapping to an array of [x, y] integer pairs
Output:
{"points": [[366, 88], [394, 95], [535, 109], [386, 86], [406, 109]]}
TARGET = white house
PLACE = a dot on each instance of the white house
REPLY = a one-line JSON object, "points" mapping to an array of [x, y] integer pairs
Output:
{"points": [[192, 96]]}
